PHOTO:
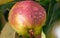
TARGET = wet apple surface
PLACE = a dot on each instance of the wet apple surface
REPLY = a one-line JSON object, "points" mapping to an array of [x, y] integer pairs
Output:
{"points": [[27, 15]]}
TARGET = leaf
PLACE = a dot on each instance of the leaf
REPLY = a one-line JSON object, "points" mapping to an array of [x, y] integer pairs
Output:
{"points": [[4, 1], [43, 2], [49, 17], [54, 17], [5, 8], [2, 11], [53, 21], [8, 5], [56, 11]]}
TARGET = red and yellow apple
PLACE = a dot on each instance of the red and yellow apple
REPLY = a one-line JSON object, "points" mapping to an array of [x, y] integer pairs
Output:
{"points": [[26, 15]]}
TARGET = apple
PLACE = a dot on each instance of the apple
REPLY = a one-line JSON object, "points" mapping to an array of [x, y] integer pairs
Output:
{"points": [[27, 16]]}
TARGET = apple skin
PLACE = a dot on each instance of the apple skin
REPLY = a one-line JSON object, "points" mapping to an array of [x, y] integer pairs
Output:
{"points": [[26, 15]]}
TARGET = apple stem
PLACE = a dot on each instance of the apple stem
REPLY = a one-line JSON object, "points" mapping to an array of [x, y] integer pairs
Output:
{"points": [[31, 34]]}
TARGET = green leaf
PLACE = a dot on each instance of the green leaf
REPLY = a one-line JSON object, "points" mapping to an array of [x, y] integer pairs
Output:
{"points": [[2, 11], [49, 17], [56, 11], [5, 8], [7, 5], [55, 15], [43, 2]]}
